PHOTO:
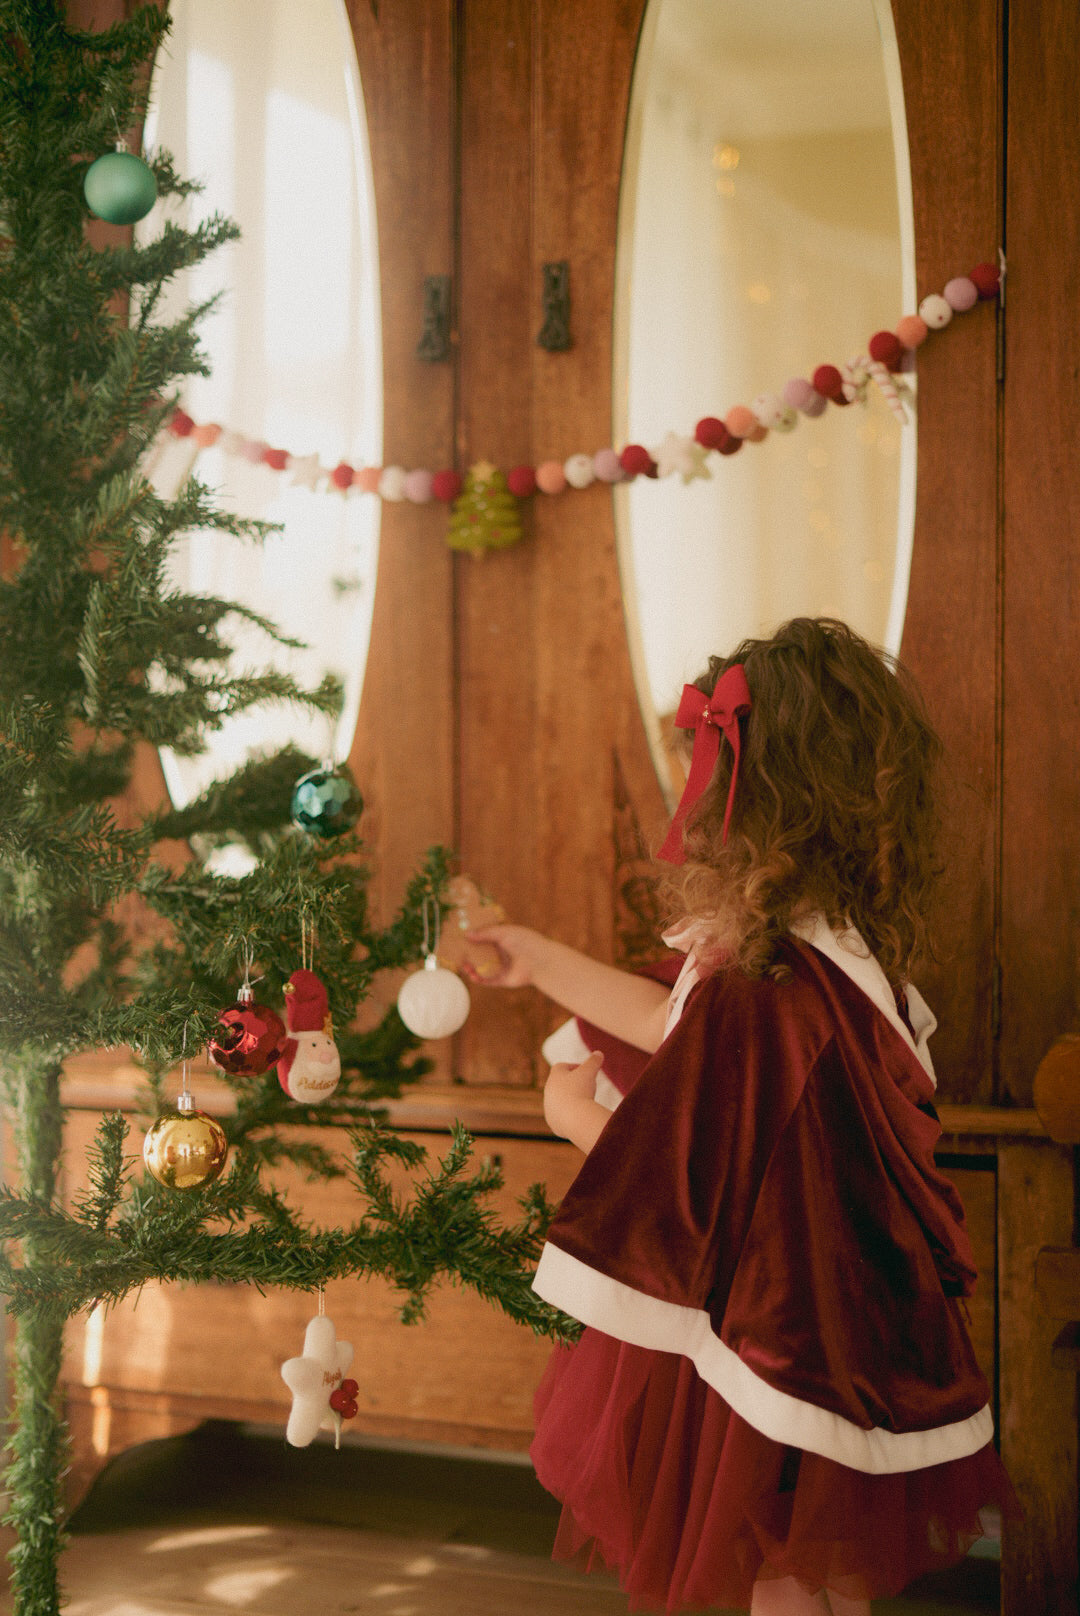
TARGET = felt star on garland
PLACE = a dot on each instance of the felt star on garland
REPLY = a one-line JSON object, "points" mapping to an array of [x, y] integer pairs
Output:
{"points": [[682, 455]]}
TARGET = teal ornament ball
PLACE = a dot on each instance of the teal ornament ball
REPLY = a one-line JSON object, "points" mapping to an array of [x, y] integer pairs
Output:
{"points": [[325, 802], [120, 188]]}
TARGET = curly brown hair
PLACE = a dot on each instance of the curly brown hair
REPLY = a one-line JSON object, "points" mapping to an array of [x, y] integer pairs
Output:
{"points": [[834, 806]]}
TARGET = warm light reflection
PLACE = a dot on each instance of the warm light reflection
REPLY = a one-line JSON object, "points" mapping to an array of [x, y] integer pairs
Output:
{"points": [[203, 1537]]}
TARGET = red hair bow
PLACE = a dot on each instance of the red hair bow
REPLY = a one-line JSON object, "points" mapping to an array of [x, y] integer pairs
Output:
{"points": [[709, 716]]}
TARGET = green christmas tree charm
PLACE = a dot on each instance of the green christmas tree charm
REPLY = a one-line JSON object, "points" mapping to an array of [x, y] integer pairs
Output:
{"points": [[485, 515]]}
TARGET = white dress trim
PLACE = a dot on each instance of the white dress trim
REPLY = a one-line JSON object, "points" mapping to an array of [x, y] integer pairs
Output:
{"points": [[645, 1321]]}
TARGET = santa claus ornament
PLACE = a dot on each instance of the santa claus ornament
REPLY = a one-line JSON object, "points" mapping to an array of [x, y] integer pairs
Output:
{"points": [[309, 1068]]}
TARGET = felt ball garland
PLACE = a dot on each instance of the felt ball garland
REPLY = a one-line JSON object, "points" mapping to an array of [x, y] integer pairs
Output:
{"points": [[889, 353]]}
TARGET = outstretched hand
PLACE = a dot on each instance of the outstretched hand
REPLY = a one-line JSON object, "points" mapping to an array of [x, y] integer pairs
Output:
{"points": [[517, 948]]}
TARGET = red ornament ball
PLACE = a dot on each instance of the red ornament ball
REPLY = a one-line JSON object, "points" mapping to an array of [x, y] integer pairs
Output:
{"points": [[828, 381], [731, 446], [987, 279], [711, 433], [342, 475], [636, 461], [275, 458], [251, 1040], [521, 480], [886, 348], [446, 485], [180, 424]]}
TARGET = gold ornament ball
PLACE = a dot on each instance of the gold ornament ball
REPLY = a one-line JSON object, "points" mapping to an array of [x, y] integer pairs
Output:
{"points": [[185, 1149]]}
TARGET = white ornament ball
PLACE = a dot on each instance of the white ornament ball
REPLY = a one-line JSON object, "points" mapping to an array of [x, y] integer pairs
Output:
{"points": [[579, 470], [392, 483], [935, 311], [433, 1003]]}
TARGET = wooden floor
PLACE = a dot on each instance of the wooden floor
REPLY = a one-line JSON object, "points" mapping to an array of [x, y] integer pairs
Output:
{"points": [[227, 1520]]}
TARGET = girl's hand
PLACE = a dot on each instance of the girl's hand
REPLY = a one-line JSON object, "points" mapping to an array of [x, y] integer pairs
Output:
{"points": [[570, 1106], [518, 948]]}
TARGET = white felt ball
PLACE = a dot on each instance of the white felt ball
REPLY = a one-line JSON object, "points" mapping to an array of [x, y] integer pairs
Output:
{"points": [[433, 1002], [769, 408], [579, 470], [935, 311], [392, 483]]}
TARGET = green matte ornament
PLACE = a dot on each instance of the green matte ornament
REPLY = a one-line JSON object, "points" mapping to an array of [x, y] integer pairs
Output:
{"points": [[120, 188], [325, 802]]}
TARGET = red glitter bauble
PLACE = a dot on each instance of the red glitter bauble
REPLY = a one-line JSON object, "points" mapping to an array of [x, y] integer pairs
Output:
{"points": [[828, 381], [636, 461], [711, 433], [886, 348], [446, 485], [521, 480], [987, 279], [251, 1040]]}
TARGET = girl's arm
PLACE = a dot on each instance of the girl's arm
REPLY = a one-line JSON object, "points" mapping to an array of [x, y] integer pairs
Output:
{"points": [[630, 1007], [569, 1107]]}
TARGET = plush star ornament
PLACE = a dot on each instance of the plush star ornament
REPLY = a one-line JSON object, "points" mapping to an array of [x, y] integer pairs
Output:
{"points": [[305, 470], [682, 455], [313, 1379]]}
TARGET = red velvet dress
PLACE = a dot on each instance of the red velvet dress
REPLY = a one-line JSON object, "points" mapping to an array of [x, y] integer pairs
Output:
{"points": [[776, 1378]]}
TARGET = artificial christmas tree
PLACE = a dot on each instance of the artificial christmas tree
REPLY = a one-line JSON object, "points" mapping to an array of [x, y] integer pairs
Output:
{"points": [[101, 655]]}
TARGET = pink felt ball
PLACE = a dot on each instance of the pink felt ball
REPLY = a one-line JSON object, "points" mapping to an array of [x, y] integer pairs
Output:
{"points": [[606, 466], [521, 480], [206, 436], [342, 475], [912, 331], [829, 383], [961, 294], [180, 423], [550, 477], [253, 450], [935, 311], [446, 485], [275, 458], [740, 421], [710, 432], [886, 348], [798, 392], [417, 486], [636, 461], [986, 279], [366, 478]]}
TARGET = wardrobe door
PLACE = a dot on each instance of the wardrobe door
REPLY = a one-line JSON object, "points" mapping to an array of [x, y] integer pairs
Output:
{"points": [[951, 60]]}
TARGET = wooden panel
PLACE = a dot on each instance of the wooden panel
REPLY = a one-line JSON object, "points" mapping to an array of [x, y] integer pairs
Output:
{"points": [[1038, 1402], [952, 94], [1041, 691], [978, 1191], [403, 749]]}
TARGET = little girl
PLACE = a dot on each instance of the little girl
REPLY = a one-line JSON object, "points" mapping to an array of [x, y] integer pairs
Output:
{"points": [[775, 1403]]}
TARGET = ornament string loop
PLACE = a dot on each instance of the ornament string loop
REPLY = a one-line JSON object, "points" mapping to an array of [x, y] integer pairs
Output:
{"points": [[431, 947]]}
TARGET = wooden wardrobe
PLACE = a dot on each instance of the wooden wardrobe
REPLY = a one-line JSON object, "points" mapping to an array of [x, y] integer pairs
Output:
{"points": [[499, 713]]}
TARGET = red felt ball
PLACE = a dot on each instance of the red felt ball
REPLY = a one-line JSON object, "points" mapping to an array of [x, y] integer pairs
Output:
{"points": [[181, 424], [521, 480], [446, 485], [275, 458], [342, 475], [829, 383], [886, 348], [987, 279], [732, 446], [711, 433], [636, 461]]}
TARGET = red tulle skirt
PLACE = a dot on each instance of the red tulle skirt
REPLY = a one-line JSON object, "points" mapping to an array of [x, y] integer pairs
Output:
{"points": [[662, 1482]]}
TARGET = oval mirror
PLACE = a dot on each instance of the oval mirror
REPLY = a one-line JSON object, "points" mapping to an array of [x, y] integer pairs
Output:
{"points": [[262, 104], [765, 228]]}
